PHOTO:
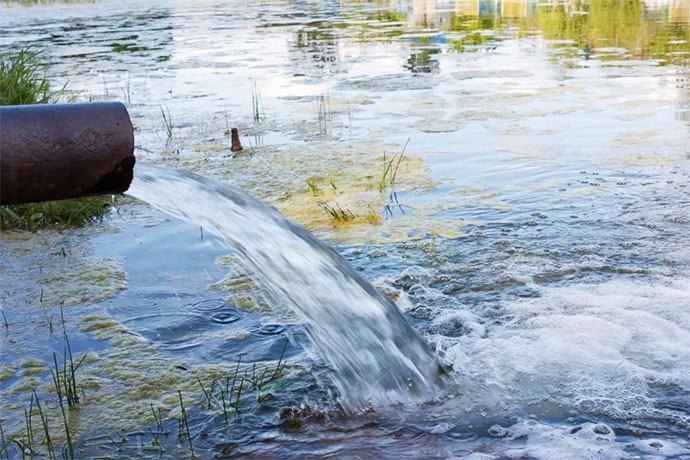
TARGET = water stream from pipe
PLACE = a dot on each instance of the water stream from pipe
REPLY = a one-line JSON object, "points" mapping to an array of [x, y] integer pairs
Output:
{"points": [[376, 357]]}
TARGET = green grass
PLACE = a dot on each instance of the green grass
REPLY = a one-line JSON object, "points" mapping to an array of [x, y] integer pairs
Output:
{"points": [[54, 214], [390, 168], [315, 189], [257, 106], [23, 81], [336, 212], [167, 122]]}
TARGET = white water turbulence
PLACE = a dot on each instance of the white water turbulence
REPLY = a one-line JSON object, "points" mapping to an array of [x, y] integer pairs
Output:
{"points": [[377, 357]]}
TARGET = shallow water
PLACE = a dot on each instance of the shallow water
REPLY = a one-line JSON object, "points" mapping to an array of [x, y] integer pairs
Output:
{"points": [[535, 235], [377, 359]]}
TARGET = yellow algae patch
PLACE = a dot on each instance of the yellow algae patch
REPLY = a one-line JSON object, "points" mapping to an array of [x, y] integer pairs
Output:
{"points": [[447, 230], [212, 147], [338, 189], [241, 289], [492, 203], [515, 129], [594, 190]]}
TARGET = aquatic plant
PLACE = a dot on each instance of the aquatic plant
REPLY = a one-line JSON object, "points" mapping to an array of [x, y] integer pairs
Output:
{"points": [[323, 103], [315, 189], [336, 212], [257, 106], [207, 394], [65, 379], [5, 444], [69, 446], [167, 121], [390, 172], [46, 431], [186, 425]]}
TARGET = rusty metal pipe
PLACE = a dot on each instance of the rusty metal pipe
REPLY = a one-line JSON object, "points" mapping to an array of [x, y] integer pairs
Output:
{"points": [[56, 151]]}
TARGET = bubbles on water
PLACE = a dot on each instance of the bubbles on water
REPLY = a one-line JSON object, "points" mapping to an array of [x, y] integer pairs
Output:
{"points": [[272, 329], [547, 442], [458, 323], [225, 317], [376, 357], [605, 349], [207, 305], [497, 431], [441, 428], [661, 448]]}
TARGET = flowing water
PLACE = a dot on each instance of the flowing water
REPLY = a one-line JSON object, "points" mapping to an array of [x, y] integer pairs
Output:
{"points": [[535, 234], [377, 358]]}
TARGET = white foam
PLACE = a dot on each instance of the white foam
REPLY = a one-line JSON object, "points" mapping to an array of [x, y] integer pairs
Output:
{"points": [[598, 348], [657, 448], [582, 442]]}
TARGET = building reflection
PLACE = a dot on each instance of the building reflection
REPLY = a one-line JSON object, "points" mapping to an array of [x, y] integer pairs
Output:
{"points": [[673, 11], [679, 11], [579, 29]]}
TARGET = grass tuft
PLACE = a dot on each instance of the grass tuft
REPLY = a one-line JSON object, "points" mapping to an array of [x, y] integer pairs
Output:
{"points": [[23, 80], [54, 214], [167, 121], [390, 168], [186, 424], [315, 189], [323, 103], [336, 212], [257, 106]]}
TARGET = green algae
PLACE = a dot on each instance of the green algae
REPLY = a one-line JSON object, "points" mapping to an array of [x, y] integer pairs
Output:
{"points": [[58, 272], [325, 175], [242, 289], [23, 385], [121, 383], [6, 372], [32, 366]]}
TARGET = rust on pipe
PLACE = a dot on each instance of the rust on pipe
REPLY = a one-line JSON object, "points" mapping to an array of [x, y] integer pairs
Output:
{"points": [[60, 151]]}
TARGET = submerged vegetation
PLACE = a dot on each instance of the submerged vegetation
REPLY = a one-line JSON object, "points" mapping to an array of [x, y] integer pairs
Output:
{"points": [[23, 81], [245, 389]]}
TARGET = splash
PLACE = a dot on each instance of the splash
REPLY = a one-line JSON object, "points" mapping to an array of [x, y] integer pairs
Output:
{"points": [[376, 357]]}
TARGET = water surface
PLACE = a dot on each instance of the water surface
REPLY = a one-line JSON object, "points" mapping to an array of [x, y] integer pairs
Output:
{"points": [[535, 234]]}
